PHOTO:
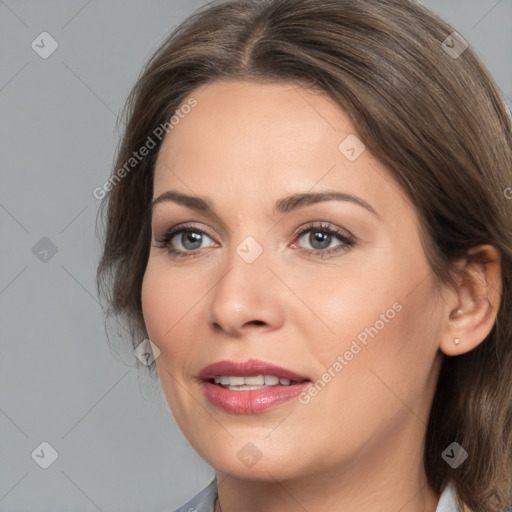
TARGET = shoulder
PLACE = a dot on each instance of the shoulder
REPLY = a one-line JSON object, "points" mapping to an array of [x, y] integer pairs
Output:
{"points": [[203, 501]]}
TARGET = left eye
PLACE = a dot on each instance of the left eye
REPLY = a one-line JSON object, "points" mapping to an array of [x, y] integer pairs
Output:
{"points": [[320, 239]]}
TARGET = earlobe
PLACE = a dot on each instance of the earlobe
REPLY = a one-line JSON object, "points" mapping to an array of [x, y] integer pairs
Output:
{"points": [[476, 300]]}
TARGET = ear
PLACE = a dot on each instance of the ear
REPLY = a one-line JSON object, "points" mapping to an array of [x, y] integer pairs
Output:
{"points": [[471, 309]]}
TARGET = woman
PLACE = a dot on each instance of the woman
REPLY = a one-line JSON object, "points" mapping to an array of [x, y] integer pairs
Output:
{"points": [[316, 238]]}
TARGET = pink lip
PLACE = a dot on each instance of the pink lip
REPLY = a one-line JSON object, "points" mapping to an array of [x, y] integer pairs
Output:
{"points": [[246, 369], [250, 401]]}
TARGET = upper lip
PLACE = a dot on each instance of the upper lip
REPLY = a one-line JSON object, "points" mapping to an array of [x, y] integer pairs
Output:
{"points": [[246, 369]]}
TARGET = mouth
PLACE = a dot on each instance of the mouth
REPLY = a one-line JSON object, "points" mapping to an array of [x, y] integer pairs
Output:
{"points": [[248, 387]]}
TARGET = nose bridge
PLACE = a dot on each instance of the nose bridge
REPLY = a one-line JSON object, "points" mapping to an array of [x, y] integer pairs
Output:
{"points": [[243, 294]]}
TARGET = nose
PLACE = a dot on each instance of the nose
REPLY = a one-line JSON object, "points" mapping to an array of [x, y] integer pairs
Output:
{"points": [[246, 298]]}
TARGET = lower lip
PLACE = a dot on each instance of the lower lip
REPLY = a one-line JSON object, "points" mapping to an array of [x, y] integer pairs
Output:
{"points": [[251, 401]]}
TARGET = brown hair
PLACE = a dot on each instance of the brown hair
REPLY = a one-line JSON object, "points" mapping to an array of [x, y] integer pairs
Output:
{"points": [[435, 119]]}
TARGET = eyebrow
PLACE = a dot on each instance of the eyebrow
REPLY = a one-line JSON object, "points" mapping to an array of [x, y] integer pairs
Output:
{"points": [[282, 206]]}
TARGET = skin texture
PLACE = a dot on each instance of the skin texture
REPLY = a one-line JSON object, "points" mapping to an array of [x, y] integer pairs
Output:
{"points": [[358, 444]]}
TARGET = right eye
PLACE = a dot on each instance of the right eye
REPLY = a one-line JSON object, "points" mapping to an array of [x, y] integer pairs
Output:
{"points": [[183, 241]]}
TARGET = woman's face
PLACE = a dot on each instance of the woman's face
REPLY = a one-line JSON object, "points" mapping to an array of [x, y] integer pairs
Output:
{"points": [[336, 291]]}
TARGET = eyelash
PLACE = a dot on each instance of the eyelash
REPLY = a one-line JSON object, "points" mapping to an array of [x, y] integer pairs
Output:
{"points": [[347, 241]]}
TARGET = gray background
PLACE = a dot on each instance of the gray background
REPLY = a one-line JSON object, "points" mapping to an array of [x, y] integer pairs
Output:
{"points": [[118, 446]]}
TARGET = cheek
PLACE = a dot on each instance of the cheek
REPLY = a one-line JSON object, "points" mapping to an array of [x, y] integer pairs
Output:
{"points": [[337, 307], [384, 321], [384, 376], [164, 301], [167, 306], [173, 305], [153, 303]]}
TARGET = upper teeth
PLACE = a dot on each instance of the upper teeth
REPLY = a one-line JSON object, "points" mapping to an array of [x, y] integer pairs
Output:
{"points": [[257, 380]]}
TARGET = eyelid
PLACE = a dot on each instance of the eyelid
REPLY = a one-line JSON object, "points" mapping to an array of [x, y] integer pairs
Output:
{"points": [[171, 232], [327, 226], [313, 224], [159, 217]]}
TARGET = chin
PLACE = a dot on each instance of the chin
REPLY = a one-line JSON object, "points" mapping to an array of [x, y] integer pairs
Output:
{"points": [[251, 460]]}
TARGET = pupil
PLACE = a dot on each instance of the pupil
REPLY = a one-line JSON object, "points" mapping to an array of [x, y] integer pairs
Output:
{"points": [[324, 239], [194, 238]]}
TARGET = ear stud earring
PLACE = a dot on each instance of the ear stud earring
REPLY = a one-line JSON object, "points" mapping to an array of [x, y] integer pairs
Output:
{"points": [[457, 313]]}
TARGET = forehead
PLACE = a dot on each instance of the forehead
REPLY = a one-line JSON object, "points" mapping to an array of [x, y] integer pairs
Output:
{"points": [[237, 125], [267, 139]]}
